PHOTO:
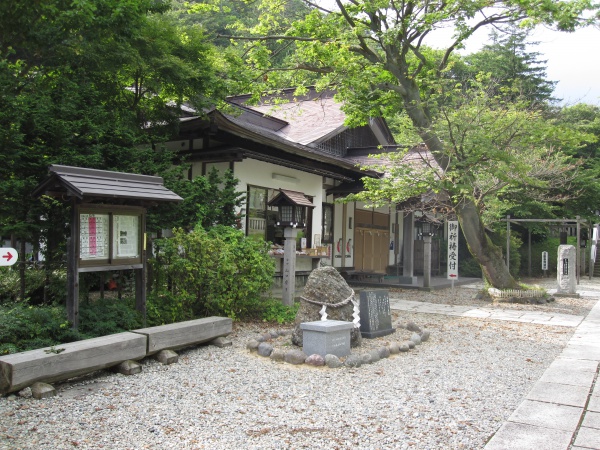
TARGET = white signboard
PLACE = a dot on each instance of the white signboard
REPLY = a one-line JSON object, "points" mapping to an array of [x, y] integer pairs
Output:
{"points": [[544, 260], [8, 256], [93, 241], [453, 250]]}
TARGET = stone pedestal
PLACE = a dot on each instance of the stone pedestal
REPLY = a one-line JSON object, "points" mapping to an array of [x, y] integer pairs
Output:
{"points": [[375, 316], [566, 273], [326, 337], [427, 261]]}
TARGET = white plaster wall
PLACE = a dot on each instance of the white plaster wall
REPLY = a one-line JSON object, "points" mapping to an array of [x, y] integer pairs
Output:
{"points": [[260, 173]]}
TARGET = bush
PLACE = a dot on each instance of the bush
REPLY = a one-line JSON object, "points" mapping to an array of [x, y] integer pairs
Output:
{"points": [[36, 280], [26, 327], [203, 273], [108, 316], [272, 310]]}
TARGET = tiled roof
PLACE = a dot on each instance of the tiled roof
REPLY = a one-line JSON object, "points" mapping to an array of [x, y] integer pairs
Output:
{"points": [[309, 118]]}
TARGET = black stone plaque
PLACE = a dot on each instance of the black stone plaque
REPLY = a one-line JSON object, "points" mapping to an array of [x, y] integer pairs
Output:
{"points": [[375, 317]]}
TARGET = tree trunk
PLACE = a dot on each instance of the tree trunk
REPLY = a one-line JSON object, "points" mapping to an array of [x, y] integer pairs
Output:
{"points": [[488, 255]]}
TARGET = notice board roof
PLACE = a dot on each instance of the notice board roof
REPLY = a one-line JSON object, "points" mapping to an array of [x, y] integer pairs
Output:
{"points": [[88, 184]]}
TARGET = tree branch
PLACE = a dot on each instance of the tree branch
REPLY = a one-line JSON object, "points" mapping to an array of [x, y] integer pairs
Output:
{"points": [[275, 37]]}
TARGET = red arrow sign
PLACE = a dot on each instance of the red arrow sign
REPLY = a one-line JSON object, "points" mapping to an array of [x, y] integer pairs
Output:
{"points": [[8, 256]]}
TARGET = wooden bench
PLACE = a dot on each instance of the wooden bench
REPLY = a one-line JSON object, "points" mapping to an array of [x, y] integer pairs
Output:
{"points": [[20, 370], [65, 361], [184, 334]]}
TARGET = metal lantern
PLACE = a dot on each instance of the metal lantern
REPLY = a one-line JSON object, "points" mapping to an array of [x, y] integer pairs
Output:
{"points": [[291, 208]]}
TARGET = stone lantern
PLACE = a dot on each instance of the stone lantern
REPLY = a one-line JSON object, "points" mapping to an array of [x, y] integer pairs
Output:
{"points": [[291, 216]]}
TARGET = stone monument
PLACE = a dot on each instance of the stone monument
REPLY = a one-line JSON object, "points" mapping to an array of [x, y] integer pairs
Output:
{"points": [[376, 318], [566, 270], [327, 296]]}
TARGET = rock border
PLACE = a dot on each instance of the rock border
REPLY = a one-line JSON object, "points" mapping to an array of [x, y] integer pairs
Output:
{"points": [[262, 346]]}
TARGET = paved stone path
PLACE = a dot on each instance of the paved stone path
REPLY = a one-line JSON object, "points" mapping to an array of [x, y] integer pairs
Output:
{"points": [[542, 318], [562, 410]]}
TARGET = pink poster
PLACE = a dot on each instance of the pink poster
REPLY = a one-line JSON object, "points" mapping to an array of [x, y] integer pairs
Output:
{"points": [[92, 236]]}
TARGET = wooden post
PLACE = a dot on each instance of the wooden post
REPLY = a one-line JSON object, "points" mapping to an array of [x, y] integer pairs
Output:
{"points": [[508, 243], [140, 280], [529, 252], [73, 269], [22, 266], [578, 251]]}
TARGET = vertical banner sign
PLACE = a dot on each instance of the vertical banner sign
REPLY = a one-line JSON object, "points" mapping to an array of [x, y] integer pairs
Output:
{"points": [[453, 250]]}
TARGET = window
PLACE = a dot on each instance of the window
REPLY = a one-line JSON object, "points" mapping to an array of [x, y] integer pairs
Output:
{"points": [[257, 211]]}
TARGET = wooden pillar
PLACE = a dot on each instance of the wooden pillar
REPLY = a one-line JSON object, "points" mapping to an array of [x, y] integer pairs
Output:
{"points": [[140, 280], [73, 269], [508, 243], [529, 252]]}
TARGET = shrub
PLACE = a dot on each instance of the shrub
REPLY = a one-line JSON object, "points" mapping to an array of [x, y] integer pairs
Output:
{"points": [[214, 272], [25, 327], [108, 316], [272, 310], [36, 281]]}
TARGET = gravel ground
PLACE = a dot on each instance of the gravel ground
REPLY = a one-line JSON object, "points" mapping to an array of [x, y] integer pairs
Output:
{"points": [[452, 392]]}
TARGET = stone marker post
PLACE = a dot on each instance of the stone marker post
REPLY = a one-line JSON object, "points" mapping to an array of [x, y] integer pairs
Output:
{"points": [[566, 270], [289, 265]]}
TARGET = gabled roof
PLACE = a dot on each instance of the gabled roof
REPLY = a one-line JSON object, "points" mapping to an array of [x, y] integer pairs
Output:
{"points": [[309, 118], [91, 183], [301, 132], [293, 197]]}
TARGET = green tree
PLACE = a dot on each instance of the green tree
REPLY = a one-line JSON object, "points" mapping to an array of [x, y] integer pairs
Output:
{"points": [[81, 82], [584, 118], [208, 201], [374, 53], [511, 65]]}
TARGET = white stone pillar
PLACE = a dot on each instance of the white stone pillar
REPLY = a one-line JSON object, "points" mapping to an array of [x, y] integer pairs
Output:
{"points": [[566, 270]]}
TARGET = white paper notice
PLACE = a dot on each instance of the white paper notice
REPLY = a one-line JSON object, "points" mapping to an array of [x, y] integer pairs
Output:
{"points": [[126, 236]]}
